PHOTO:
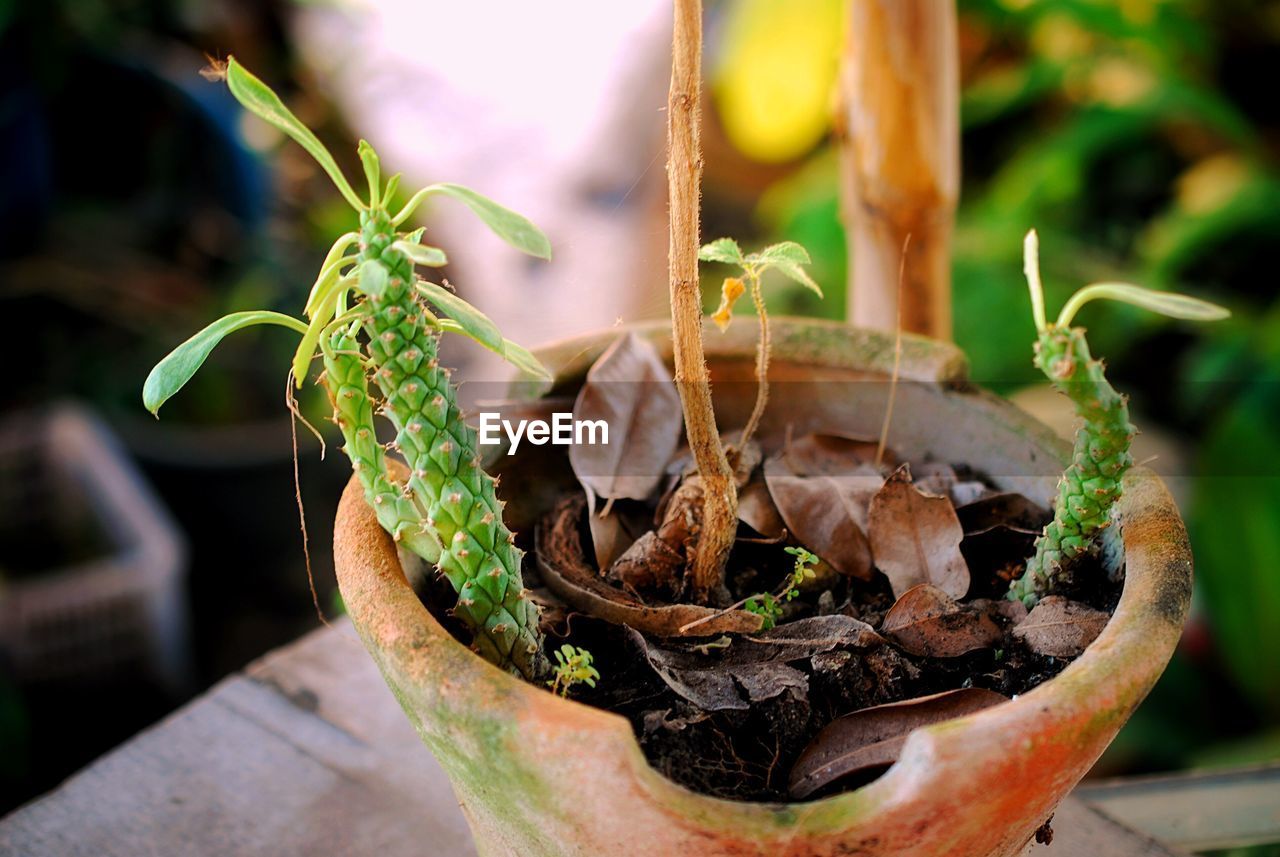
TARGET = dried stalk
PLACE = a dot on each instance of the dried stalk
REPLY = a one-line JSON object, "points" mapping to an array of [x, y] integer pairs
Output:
{"points": [[684, 174], [900, 160]]}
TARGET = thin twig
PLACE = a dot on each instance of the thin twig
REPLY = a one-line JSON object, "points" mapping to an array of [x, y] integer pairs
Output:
{"points": [[763, 349], [897, 356], [292, 404]]}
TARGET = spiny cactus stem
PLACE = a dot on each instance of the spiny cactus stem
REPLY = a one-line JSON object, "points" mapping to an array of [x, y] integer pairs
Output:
{"points": [[459, 504], [1091, 484]]}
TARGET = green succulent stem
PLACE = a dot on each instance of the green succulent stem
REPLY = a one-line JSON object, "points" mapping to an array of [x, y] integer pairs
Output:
{"points": [[397, 511], [457, 498], [1090, 486], [446, 509]]}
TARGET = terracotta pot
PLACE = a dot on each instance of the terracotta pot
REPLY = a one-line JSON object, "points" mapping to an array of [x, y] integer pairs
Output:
{"points": [[538, 775]]}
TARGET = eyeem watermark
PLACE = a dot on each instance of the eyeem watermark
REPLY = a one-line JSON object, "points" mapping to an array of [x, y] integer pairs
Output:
{"points": [[563, 430]]}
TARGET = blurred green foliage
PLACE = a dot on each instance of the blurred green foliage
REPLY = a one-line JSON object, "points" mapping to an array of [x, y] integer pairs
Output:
{"points": [[1140, 138]]}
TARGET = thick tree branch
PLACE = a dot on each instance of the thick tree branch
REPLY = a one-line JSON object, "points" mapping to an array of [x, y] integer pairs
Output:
{"points": [[900, 160]]}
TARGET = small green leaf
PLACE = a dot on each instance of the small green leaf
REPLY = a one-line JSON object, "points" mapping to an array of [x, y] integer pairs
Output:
{"points": [[795, 272], [515, 354], [787, 258], [372, 170], [422, 254], [260, 100], [1164, 303], [373, 278], [721, 250], [515, 229], [473, 322], [786, 251], [175, 370]]}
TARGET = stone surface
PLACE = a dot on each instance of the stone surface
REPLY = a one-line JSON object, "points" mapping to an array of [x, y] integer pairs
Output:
{"points": [[307, 752]]}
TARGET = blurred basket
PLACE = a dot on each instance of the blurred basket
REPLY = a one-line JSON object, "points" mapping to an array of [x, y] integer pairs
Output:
{"points": [[92, 568]]}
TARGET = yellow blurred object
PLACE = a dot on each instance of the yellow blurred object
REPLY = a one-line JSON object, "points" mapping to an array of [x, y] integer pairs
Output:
{"points": [[1119, 82], [1057, 37], [777, 73], [1211, 183]]}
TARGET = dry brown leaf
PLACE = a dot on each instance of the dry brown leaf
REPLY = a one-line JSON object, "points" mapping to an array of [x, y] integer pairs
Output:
{"points": [[915, 538], [630, 389], [822, 454], [757, 511], [610, 536], [558, 548], [926, 621], [1060, 627], [754, 668], [1011, 612], [872, 738], [821, 486]]}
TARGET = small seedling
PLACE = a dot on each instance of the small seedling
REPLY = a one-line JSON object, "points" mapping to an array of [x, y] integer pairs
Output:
{"points": [[1091, 484], [377, 325], [573, 666], [768, 605], [787, 258]]}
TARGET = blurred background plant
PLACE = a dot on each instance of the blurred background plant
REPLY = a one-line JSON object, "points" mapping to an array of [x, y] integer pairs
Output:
{"points": [[1140, 137]]}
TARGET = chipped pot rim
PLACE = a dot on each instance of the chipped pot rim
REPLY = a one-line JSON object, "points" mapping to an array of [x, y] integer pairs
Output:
{"points": [[1091, 697]]}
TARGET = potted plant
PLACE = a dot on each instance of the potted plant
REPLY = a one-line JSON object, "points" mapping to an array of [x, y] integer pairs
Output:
{"points": [[795, 620]]}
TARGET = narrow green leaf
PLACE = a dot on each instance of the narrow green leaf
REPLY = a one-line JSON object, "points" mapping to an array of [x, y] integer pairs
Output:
{"points": [[515, 354], [515, 229], [260, 100], [795, 272], [421, 254], [721, 250], [1031, 270], [372, 170], [326, 305], [476, 324], [175, 370], [389, 192], [329, 275], [522, 358], [1165, 303]]}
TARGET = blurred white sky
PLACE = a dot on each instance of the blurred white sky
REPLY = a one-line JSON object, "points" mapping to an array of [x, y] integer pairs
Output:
{"points": [[558, 112]]}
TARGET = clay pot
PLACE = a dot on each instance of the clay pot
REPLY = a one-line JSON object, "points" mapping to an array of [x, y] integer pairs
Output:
{"points": [[539, 775]]}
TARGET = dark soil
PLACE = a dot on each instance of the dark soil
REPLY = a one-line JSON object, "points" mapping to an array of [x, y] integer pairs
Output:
{"points": [[748, 754]]}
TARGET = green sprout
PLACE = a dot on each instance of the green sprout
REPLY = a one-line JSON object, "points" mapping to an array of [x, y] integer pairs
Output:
{"points": [[769, 606], [573, 666], [377, 325], [1091, 485], [787, 258]]}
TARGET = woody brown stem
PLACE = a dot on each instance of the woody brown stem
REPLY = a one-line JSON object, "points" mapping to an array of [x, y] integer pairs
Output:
{"points": [[684, 174]]}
